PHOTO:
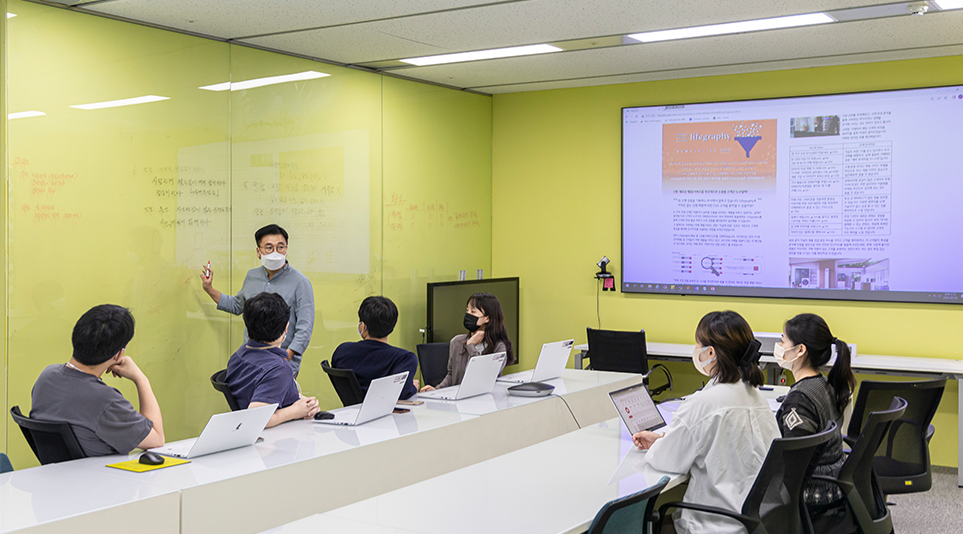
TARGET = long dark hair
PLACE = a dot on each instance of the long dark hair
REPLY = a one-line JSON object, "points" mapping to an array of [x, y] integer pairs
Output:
{"points": [[737, 351], [812, 331], [495, 328]]}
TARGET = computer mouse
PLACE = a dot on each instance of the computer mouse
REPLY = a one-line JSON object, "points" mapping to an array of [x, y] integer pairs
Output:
{"points": [[151, 458], [320, 416]]}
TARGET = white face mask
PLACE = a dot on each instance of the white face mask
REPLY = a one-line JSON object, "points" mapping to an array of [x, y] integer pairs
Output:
{"points": [[700, 365], [273, 261], [361, 331], [779, 353]]}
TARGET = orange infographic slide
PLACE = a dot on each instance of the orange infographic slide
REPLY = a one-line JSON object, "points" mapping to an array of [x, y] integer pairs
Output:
{"points": [[719, 155]]}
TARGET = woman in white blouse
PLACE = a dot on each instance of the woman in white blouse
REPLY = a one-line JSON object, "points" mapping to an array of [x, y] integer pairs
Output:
{"points": [[721, 434]]}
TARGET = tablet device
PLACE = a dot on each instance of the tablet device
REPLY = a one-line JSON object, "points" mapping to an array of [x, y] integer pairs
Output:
{"points": [[636, 409]]}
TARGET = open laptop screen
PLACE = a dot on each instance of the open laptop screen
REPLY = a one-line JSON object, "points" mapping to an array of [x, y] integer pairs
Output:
{"points": [[636, 409]]}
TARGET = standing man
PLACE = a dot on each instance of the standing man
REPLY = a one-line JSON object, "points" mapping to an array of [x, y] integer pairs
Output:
{"points": [[274, 276]]}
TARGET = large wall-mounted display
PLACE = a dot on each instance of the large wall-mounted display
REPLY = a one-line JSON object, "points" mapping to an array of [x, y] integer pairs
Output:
{"points": [[850, 196]]}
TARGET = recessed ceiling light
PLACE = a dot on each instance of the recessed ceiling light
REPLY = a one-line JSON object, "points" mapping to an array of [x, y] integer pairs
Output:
{"points": [[124, 102], [25, 114], [949, 4], [734, 27], [483, 54], [260, 82]]}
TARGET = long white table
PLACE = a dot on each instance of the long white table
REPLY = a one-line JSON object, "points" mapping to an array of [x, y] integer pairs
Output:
{"points": [[552, 487], [556, 486], [47, 500], [862, 363], [303, 467]]}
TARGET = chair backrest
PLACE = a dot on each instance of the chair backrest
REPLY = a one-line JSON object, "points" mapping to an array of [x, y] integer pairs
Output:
{"points": [[51, 441], [865, 497], [631, 513], [219, 381], [5, 465], [904, 463], [612, 350], [776, 495], [345, 384], [433, 360]]}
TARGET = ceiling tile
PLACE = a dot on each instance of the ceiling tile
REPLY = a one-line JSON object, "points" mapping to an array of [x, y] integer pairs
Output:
{"points": [[229, 19], [799, 43], [521, 23], [673, 74]]}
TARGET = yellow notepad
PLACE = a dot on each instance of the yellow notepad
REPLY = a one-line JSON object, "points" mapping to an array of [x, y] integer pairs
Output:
{"points": [[137, 467]]}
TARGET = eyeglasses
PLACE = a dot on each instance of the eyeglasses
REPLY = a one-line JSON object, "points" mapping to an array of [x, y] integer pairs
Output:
{"points": [[268, 249]]}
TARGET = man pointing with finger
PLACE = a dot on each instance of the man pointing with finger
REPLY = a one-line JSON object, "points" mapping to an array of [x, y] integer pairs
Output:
{"points": [[274, 276]]}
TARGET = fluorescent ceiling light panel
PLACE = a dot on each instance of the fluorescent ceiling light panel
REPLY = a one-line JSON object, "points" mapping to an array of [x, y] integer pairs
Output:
{"points": [[734, 27], [261, 82], [483, 54], [945, 4], [25, 114], [124, 102]]}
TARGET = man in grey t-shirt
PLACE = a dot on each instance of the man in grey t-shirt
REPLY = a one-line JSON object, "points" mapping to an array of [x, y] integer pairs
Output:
{"points": [[275, 276], [101, 418]]}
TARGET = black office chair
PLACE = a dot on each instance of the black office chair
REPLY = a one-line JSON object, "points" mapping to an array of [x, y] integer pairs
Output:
{"points": [[903, 465], [632, 513], [611, 350], [218, 380], [433, 360], [774, 503], [50, 441], [857, 479], [5, 465], [345, 384]]}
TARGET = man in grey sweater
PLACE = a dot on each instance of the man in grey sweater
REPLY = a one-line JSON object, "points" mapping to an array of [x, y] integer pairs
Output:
{"points": [[274, 276]]}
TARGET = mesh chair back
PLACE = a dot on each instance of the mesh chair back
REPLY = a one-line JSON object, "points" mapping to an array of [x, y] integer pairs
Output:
{"points": [[345, 384], [5, 465], [903, 464], [859, 484], [433, 360], [632, 513], [776, 495], [51, 441], [219, 381], [611, 350]]}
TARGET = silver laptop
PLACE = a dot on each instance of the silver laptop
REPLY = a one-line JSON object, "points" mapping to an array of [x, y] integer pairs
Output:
{"points": [[383, 393], [636, 409], [551, 362], [223, 432], [479, 378]]}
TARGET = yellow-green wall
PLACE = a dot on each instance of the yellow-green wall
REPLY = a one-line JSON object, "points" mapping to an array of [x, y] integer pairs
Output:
{"points": [[556, 211], [124, 205]]}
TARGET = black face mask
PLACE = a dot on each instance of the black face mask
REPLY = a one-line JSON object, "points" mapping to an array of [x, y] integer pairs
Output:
{"points": [[471, 322]]}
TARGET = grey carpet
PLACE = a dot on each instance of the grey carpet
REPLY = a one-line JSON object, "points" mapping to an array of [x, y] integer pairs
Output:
{"points": [[938, 510]]}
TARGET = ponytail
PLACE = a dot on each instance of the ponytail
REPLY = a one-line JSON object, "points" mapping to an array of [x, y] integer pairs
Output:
{"points": [[812, 331], [841, 376]]}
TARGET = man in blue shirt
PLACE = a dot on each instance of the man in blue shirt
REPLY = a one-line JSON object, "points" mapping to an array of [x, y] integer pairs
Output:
{"points": [[373, 357], [275, 276], [258, 373]]}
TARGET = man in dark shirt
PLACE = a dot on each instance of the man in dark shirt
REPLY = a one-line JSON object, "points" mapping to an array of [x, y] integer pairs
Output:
{"points": [[373, 357], [258, 373], [102, 419]]}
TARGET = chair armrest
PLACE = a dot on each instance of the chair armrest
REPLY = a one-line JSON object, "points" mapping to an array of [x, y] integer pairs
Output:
{"points": [[748, 522]]}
